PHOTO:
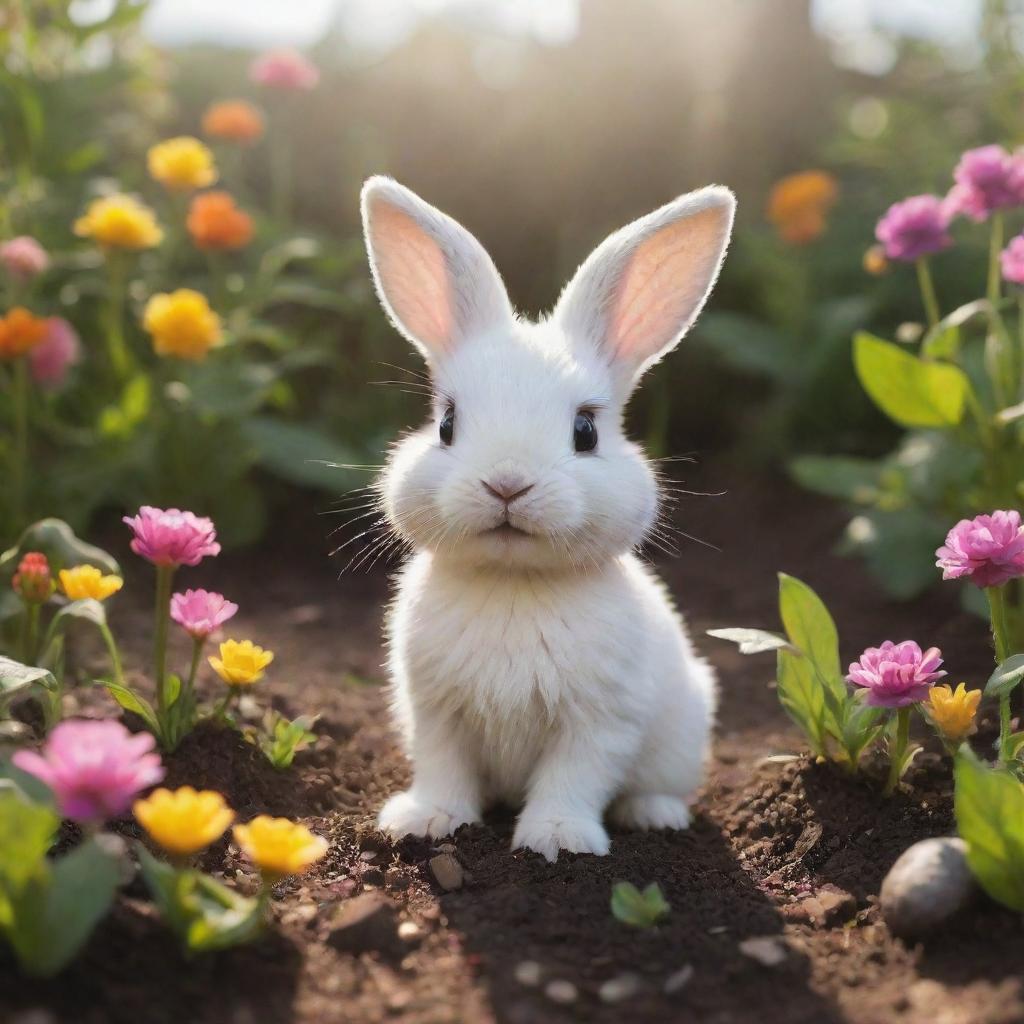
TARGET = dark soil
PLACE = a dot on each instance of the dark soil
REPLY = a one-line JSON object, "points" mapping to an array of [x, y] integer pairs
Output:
{"points": [[781, 847]]}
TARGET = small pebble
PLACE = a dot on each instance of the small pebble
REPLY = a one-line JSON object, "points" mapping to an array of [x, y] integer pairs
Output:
{"points": [[447, 871], [564, 992], [615, 990], [528, 973], [929, 883], [767, 950], [678, 980]]}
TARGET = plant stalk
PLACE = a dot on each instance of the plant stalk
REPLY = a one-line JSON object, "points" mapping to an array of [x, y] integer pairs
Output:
{"points": [[164, 582], [898, 750], [1000, 636], [19, 468], [928, 296], [117, 349]]}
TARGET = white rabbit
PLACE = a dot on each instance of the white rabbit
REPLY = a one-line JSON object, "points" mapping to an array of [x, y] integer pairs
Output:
{"points": [[535, 660]]}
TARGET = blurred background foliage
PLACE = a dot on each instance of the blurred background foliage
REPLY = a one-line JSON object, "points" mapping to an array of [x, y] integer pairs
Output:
{"points": [[541, 136]]}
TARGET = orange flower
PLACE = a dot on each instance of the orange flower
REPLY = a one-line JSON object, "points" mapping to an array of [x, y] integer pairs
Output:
{"points": [[20, 332], [214, 222], [798, 203], [233, 119]]}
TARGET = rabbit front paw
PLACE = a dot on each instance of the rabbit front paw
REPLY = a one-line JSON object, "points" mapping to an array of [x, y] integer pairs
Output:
{"points": [[407, 814], [547, 835]]}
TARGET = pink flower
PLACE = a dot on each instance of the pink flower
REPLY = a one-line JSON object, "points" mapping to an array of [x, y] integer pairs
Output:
{"points": [[896, 675], [914, 228], [284, 69], [172, 537], [59, 350], [988, 548], [200, 612], [987, 179], [95, 769], [23, 258], [1012, 260]]}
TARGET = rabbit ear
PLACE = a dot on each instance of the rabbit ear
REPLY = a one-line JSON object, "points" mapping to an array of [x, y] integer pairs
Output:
{"points": [[641, 289], [434, 279]]}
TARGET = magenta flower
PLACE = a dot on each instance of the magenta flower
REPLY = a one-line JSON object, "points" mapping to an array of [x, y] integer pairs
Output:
{"points": [[23, 258], [59, 350], [172, 537], [284, 69], [1012, 260], [987, 179], [200, 612], [989, 549], [914, 228], [896, 675], [95, 769]]}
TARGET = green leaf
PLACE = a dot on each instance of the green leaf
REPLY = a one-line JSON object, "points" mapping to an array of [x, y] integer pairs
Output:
{"points": [[55, 539], [751, 641], [811, 687], [28, 831], [88, 609], [300, 454], [639, 909], [18, 680], [58, 909], [909, 390], [281, 739], [943, 340], [989, 806], [810, 628], [1006, 677], [205, 915], [131, 701], [839, 476], [35, 790], [802, 697]]}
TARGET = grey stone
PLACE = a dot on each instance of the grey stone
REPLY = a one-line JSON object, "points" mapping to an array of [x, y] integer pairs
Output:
{"points": [[928, 884]]}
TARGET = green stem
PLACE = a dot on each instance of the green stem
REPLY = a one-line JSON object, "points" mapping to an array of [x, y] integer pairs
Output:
{"points": [[164, 582], [281, 177], [1020, 345], [221, 709], [928, 296], [20, 464], [115, 656], [218, 288], [898, 750], [32, 633], [197, 651], [117, 348], [995, 248], [1000, 635]]}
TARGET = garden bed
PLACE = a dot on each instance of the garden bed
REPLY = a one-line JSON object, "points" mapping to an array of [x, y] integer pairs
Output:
{"points": [[781, 849]]}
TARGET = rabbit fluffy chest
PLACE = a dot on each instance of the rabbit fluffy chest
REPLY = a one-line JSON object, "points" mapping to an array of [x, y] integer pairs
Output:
{"points": [[509, 661]]}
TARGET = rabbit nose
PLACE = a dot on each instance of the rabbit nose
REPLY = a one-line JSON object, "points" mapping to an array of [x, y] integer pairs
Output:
{"points": [[506, 488]]}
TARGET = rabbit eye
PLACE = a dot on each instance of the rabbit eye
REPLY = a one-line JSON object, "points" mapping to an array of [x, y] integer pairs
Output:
{"points": [[447, 429], [584, 431]]}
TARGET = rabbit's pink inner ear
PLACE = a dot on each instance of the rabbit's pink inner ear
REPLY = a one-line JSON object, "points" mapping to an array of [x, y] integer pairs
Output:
{"points": [[664, 285], [413, 275]]}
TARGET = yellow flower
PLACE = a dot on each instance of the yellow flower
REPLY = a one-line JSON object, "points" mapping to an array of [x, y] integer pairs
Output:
{"points": [[952, 711], [182, 324], [241, 662], [279, 847], [798, 203], [120, 222], [183, 821], [87, 581], [182, 164], [875, 262]]}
